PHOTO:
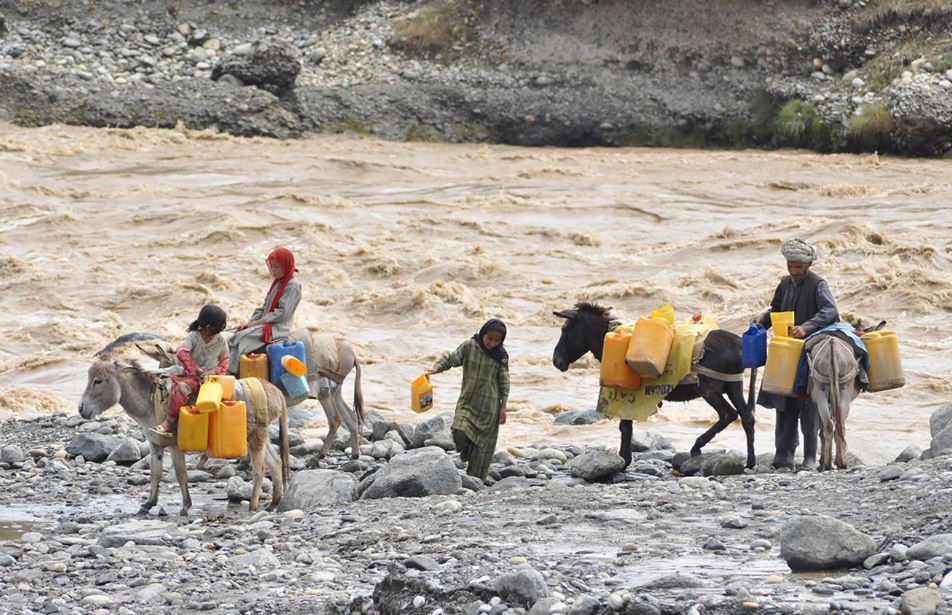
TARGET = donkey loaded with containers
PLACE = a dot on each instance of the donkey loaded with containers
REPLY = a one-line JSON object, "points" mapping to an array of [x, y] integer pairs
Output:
{"points": [[705, 361]]}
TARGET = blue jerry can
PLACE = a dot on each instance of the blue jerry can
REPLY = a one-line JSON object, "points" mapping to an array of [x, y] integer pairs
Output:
{"points": [[754, 346], [275, 352]]}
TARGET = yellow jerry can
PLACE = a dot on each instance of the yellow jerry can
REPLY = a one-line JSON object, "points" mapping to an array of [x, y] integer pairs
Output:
{"points": [[783, 357], [421, 394], [665, 312], [885, 364], [649, 347], [615, 372], [227, 384], [781, 322], [209, 396], [228, 431], [192, 430], [294, 365], [253, 365]]}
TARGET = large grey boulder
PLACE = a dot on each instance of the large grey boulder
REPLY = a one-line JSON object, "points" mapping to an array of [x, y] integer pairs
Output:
{"points": [[940, 420], [730, 463], [823, 543], [596, 465], [524, 586], [311, 489], [920, 601], [93, 446], [417, 473], [434, 428], [942, 441], [938, 545], [270, 66], [145, 532], [127, 452]]}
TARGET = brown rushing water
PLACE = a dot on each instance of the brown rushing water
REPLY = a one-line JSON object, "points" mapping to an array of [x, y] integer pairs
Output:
{"points": [[406, 248]]}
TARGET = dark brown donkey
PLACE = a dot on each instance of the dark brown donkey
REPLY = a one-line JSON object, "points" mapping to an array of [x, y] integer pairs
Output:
{"points": [[584, 331]]}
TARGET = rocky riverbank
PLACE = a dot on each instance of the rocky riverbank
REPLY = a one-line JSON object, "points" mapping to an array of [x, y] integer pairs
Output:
{"points": [[836, 75], [558, 530]]}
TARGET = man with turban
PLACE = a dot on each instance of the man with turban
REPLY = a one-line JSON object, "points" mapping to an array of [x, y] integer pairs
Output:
{"points": [[808, 296]]}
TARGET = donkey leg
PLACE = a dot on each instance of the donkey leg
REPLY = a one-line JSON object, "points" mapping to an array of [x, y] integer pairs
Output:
{"points": [[735, 391], [257, 441], [625, 427], [725, 416], [275, 469], [181, 475], [155, 477], [842, 410], [349, 418], [333, 420]]}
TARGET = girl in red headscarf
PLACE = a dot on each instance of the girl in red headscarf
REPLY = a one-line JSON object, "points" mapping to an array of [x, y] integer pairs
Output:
{"points": [[272, 321]]}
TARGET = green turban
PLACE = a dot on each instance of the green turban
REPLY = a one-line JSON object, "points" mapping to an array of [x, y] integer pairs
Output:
{"points": [[799, 250]]}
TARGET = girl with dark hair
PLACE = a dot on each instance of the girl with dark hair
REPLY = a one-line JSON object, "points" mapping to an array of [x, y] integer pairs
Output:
{"points": [[204, 352], [481, 408]]}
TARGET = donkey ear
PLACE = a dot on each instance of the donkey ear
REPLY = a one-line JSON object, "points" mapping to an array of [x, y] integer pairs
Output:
{"points": [[567, 314]]}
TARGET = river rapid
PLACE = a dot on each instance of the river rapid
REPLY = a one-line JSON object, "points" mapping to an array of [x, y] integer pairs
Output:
{"points": [[406, 248]]}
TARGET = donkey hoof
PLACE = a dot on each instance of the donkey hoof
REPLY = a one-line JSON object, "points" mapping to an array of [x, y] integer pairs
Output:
{"points": [[144, 510], [751, 463], [695, 452], [183, 512]]}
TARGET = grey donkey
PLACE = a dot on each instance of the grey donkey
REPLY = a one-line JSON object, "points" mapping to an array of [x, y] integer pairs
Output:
{"points": [[114, 381]]}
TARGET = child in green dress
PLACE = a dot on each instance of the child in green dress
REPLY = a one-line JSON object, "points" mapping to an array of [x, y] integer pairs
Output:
{"points": [[481, 408]]}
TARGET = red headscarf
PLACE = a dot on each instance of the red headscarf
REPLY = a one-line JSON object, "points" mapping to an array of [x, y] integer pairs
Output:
{"points": [[282, 257]]}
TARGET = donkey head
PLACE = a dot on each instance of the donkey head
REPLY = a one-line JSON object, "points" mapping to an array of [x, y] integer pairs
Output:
{"points": [[583, 331], [103, 389]]}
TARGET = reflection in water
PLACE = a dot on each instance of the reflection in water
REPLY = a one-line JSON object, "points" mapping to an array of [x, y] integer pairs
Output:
{"points": [[406, 248]]}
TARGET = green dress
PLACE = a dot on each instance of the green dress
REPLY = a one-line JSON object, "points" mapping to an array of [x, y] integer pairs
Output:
{"points": [[476, 422]]}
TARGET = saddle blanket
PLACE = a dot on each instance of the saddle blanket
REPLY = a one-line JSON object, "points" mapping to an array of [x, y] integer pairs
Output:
{"points": [[642, 403]]}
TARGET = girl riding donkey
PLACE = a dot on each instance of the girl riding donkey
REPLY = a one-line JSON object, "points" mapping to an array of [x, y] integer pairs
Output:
{"points": [[204, 352], [272, 321]]}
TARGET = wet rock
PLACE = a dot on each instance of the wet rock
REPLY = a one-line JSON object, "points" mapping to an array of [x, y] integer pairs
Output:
{"points": [[93, 446], [418, 473], [261, 559], [643, 441], [422, 562], [239, 490], [596, 465], [271, 66], [939, 545], [151, 594], [146, 532], [311, 489], [579, 417], [675, 581], [11, 454], [891, 472], [920, 601], [713, 544], [127, 452], [729, 464], [585, 605], [940, 420], [695, 465], [524, 586], [910, 453], [823, 543], [544, 606], [428, 429]]}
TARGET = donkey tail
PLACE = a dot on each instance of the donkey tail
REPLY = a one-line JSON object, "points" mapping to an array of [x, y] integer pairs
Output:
{"points": [[358, 395], [835, 389], [285, 448]]}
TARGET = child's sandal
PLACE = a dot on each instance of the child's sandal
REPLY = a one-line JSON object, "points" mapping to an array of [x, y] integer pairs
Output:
{"points": [[160, 431]]}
